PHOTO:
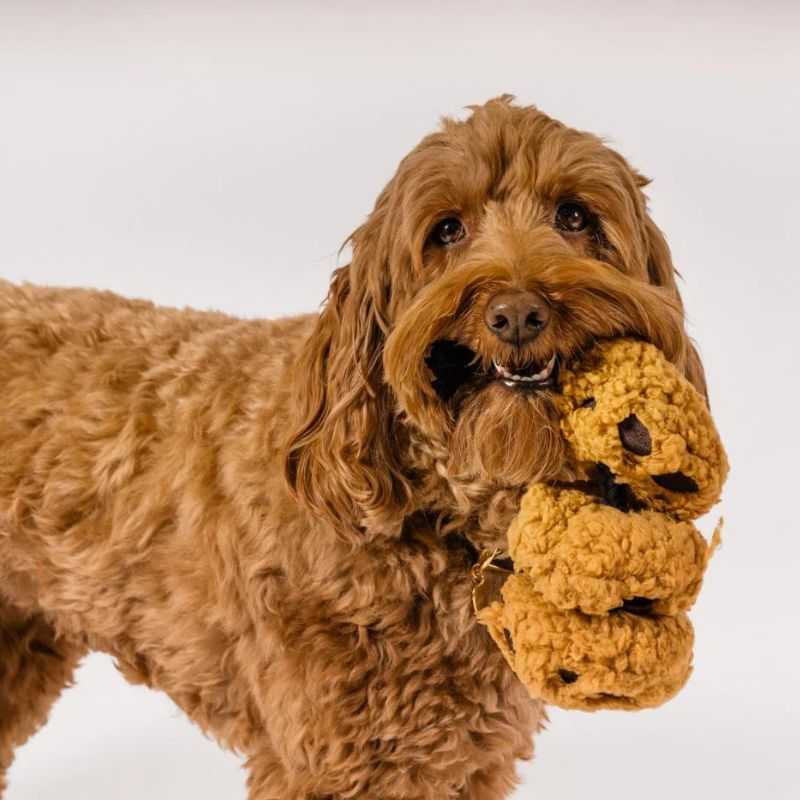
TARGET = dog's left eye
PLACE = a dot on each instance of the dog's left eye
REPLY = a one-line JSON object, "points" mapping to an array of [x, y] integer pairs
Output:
{"points": [[572, 217], [447, 231]]}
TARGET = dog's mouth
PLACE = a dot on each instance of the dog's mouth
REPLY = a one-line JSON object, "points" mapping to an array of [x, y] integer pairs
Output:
{"points": [[456, 367], [531, 375]]}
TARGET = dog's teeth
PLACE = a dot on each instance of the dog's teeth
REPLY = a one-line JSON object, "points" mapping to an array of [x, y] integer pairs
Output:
{"points": [[545, 373], [510, 378], [502, 371]]}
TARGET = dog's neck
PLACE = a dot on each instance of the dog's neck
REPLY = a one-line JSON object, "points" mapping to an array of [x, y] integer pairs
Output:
{"points": [[479, 510]]}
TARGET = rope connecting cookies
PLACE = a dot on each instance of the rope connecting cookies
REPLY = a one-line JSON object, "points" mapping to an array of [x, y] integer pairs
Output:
{"points": [[606, 566]]}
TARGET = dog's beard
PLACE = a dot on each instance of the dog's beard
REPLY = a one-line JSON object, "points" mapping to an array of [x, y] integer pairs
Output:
{"points": [[505, 436]]}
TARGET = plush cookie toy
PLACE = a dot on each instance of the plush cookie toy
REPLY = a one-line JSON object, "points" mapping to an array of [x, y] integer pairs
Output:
{"points": [[606, 567]]}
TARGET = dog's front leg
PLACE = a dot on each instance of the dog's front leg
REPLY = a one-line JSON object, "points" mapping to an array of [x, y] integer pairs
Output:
{"points": [[391, 708], [268, 778]]}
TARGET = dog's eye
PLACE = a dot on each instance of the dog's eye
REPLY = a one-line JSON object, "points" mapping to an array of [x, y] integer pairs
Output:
{"points": [[447, 231], [572, 217]]}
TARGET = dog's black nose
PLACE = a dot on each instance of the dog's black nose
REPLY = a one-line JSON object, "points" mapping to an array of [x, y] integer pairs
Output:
{"points": [[517, 317]]}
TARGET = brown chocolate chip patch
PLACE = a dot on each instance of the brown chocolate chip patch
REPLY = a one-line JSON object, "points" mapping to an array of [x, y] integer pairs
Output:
{"points": [[676, 482], [589, 402], [634, 436], [618, 495], [640, 606], [567, 676]]}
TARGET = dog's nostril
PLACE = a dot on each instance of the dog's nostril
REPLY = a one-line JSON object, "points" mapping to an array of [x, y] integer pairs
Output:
{"points": [[533, 321], [499, 322], [567, 676]]}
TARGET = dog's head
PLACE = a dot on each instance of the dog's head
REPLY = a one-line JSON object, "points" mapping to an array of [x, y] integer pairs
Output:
{"points": [[502, 247]]}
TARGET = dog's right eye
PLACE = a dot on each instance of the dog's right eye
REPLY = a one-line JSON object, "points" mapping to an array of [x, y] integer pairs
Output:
{"points": [[447, 231], [572, 217]]}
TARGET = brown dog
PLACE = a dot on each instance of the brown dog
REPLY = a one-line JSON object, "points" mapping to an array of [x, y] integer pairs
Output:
{"points": [[274, 521]]}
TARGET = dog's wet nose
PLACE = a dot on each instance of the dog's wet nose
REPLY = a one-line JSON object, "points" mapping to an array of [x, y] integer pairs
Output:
{"points": [[517, 317]]}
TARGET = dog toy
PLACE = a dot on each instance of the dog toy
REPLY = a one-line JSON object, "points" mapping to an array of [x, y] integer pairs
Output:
{"points": [[607, 565]]}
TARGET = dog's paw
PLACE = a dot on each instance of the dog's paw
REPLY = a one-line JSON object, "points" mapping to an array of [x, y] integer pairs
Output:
{"points": [[638, 429], [622, 660]]}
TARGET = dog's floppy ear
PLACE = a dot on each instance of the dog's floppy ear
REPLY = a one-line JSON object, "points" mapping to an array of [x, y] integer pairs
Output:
{"points": [[342, 461], [661, 272], [660, 269]]}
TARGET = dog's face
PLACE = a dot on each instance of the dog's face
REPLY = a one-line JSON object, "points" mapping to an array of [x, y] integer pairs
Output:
{"points": [[504, 245]]}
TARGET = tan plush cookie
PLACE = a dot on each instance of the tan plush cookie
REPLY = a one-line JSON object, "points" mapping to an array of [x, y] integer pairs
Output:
{"points": [[606, 567]]}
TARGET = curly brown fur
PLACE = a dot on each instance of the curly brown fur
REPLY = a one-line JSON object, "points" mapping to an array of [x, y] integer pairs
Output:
{"points": [[256, 516]]}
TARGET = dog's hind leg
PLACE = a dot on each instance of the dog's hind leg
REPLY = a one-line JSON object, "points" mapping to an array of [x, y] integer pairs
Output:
{"points": [[35, 666]]}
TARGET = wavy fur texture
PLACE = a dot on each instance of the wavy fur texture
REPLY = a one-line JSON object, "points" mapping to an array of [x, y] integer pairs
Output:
{"points": [[270, 520]]}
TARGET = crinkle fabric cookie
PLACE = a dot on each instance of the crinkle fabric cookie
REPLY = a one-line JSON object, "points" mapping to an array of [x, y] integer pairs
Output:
{"points": [[606, 567]]}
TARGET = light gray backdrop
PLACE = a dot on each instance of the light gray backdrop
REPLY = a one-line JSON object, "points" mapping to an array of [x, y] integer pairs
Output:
{"points": [[217, 154]]}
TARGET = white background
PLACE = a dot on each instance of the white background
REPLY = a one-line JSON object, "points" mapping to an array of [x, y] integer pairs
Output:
{"points": [[217, 154]]}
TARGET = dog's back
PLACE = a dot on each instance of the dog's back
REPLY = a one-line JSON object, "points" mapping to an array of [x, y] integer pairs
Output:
{"points": [[134, 443]]}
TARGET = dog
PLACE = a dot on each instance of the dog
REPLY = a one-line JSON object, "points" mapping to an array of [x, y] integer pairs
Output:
{"points": [[274, 522]]}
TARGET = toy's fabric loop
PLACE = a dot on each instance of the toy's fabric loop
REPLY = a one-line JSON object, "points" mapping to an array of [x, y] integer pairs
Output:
{"points": [[487, 578]]}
